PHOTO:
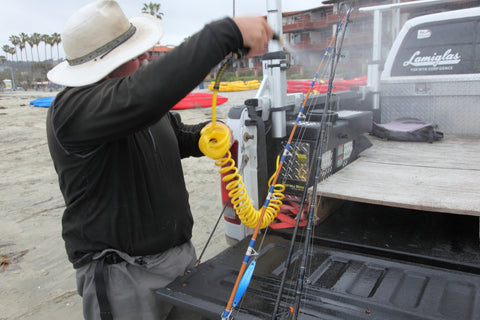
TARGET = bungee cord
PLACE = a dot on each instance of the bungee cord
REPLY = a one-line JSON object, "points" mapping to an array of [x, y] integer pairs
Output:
{"points": [[215, 143]]}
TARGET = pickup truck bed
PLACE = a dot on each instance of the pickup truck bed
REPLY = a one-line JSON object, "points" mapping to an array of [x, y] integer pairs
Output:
{"points": [[368, 262], [442, 176]]}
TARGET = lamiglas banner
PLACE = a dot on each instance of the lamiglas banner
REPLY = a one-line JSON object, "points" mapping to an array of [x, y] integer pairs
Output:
{"points": [[439, 49]]}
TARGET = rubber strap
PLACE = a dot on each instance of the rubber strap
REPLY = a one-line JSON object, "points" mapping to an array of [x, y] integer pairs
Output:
{"points": [[101, 291]]}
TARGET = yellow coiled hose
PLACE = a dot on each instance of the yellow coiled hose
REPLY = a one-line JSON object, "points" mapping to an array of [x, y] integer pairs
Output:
{"points": [[215, 143]]}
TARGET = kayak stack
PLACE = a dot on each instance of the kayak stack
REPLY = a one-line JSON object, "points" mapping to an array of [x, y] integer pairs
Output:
{"points": [[321, 86], [236, 85], [195, 100]]}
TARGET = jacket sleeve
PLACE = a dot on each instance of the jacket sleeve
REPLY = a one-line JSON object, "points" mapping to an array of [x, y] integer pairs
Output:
{"points": [[114, 108], [187, 136]]}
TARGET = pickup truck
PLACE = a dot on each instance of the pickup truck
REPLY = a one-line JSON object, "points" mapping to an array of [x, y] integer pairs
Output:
{"points": [[397, 230]]}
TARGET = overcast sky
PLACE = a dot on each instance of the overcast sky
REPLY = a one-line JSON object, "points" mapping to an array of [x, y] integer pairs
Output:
{"points": [[181, 17]]}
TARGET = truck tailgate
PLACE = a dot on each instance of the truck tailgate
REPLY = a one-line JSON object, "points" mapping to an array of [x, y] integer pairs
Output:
{"points": [[342, 284]]}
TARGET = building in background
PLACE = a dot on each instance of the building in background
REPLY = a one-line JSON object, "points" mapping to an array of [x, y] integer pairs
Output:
{"points": [[158, 51], [309, 33]]}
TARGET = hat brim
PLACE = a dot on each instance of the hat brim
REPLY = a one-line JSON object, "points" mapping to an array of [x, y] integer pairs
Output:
{"points": [[148, 33]]}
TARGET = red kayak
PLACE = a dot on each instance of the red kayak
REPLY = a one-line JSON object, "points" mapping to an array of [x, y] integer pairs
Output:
{"points": [[338, 85], [198, 100]]}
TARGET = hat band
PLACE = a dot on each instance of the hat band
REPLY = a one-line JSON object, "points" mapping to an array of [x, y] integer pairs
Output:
{"points": [[105, 49]]}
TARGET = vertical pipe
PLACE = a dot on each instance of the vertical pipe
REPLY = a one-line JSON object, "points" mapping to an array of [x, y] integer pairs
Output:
{"points": [[395, 21], [374, 67], [274, 19], [277, 77]]}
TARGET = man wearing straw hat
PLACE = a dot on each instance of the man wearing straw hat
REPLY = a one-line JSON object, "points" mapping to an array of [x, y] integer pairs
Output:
{"points": [[117, 149]]}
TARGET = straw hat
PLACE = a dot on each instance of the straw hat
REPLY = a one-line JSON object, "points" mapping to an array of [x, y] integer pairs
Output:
{"points": [[99, 38]]}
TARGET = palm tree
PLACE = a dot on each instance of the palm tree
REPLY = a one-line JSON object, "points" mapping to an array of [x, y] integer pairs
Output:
{"points": [[153, 9], [51, 42], [13, 51], [15, 40], [22, 44], [46, 40], [6, 48], [36, 38], [30, 43], [9, 50], [56, 40]]}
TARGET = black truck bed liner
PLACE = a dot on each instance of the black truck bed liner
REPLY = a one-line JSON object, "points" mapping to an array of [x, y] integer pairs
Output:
{"points": [[368, 262]]}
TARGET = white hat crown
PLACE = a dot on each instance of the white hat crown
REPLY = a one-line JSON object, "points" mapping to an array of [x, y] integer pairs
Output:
{"points": [[92, 27], [99, 38]]}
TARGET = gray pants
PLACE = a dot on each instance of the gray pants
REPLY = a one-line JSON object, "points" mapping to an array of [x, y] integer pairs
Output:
{"points": [[130, 285]]}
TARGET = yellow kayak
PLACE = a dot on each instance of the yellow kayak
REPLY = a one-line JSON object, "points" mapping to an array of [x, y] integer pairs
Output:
{"points": [[237, 85]]}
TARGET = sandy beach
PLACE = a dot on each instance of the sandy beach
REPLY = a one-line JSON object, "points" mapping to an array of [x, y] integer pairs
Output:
{"points": [[36, 279]]}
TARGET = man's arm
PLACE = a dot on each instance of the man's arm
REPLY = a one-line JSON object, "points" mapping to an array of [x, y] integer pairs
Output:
{"points": [[187, 136], [117, 107]]}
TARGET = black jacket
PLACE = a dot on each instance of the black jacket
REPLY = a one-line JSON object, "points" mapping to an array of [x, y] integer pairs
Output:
{"points": [[117, 150]]}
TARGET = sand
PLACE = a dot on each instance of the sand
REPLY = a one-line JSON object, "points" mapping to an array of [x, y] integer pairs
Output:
{"points": [[36, 279]]}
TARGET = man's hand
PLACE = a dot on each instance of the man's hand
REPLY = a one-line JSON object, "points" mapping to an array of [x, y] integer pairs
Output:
{"points": [[255, 32]]}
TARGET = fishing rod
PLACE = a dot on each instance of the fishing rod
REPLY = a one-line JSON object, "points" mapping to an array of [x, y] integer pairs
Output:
{"points": [[199, 260], [250, 250], [305, 253], [214, 144], [288, 260]]}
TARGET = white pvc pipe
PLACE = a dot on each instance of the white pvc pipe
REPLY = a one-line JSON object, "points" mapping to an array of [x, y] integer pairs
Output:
{"points": [[274, 19], [404, 4]]}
